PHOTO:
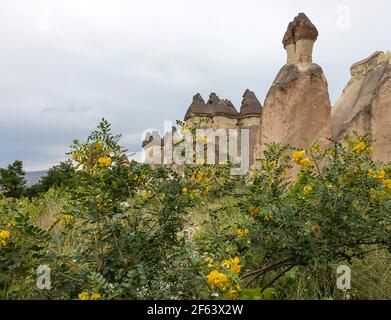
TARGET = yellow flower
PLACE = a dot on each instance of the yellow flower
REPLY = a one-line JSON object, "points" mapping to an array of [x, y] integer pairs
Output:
{"points": [[217, 279], [307, 190], [298, 156], [99, 145], [185, 129], [386, 183], [305, 163], [269, 165], [242, 232], [360, 147], [254, 211], [184, 190], [226, 263], [65, 218], [233, 264], [4, 234], [235, 268], [206, 191], [84, 296], [268, 216], [316, 148], [95, 296], [105, 161], [144, 195], [378, 176], [76, 155]]}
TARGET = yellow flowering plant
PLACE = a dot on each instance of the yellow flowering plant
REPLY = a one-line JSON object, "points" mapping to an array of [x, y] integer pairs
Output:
{"points": [[129, 231]]}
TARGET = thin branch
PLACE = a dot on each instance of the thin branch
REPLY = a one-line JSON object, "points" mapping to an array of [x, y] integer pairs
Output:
{"points": [[267, 268], [277, 277]]}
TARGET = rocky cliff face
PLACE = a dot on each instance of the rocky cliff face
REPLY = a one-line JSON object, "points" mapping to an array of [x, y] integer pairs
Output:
{"points": [[297, 108], [365, 104]]}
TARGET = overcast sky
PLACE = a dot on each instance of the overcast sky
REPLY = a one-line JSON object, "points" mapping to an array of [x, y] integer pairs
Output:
{"points": [[65, 64]]}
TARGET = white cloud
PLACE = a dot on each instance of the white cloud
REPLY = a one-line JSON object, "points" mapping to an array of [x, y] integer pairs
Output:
{"points": [[67, 63]]}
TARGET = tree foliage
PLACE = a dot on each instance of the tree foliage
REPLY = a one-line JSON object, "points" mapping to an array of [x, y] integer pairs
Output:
{"points": [[12, 182], [131, 232]]}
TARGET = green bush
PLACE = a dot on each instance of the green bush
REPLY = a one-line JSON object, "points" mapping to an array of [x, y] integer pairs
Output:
{"points": [[126, 231]]}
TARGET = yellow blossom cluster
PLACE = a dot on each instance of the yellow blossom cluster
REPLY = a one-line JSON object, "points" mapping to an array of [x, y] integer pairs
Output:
{"points": [[268, 216], [316, 148], [381, 176], [105, 161], [217, 279], [195, 192], [269, 165], [241, 233], [99, 146], [65, 218], [4, 236], [185, 129], [234, 293], [299, 157], [232, 264], [361, 147], [87, 296], [225, 281], [76, 155], [386, 183], [145, 195]]}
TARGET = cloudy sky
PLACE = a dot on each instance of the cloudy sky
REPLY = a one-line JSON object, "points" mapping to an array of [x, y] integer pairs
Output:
{"points": [[65, 64]]}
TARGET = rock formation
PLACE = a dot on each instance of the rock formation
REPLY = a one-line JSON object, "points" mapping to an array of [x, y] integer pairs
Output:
{"points": [[299, 40], [365, 104], [153, 146], [250, 118], [297, 108]]}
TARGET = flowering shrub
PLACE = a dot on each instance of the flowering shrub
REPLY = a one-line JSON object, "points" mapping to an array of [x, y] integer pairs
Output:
{"points": [[126, 231]]}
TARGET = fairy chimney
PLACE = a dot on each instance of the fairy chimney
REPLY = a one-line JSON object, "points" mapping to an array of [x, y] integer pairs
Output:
{"points": [[250, 118], [153, 147], [297, 108], [299, 40]]}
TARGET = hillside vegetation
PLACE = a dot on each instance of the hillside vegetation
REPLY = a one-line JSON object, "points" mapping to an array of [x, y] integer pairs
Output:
{"points": [[109, 229]]}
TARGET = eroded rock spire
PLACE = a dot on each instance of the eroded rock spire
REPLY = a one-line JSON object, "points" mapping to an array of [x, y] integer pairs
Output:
{"points": [[299, 39]]}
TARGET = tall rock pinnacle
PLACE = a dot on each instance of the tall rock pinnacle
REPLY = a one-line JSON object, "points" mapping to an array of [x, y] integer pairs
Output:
{"points": [[299, 39], [297, 108]]}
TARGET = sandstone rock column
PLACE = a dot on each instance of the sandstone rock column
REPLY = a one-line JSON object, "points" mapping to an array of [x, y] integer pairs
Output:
{"points": [[250, 118], [365, 104], [297, 108]]}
